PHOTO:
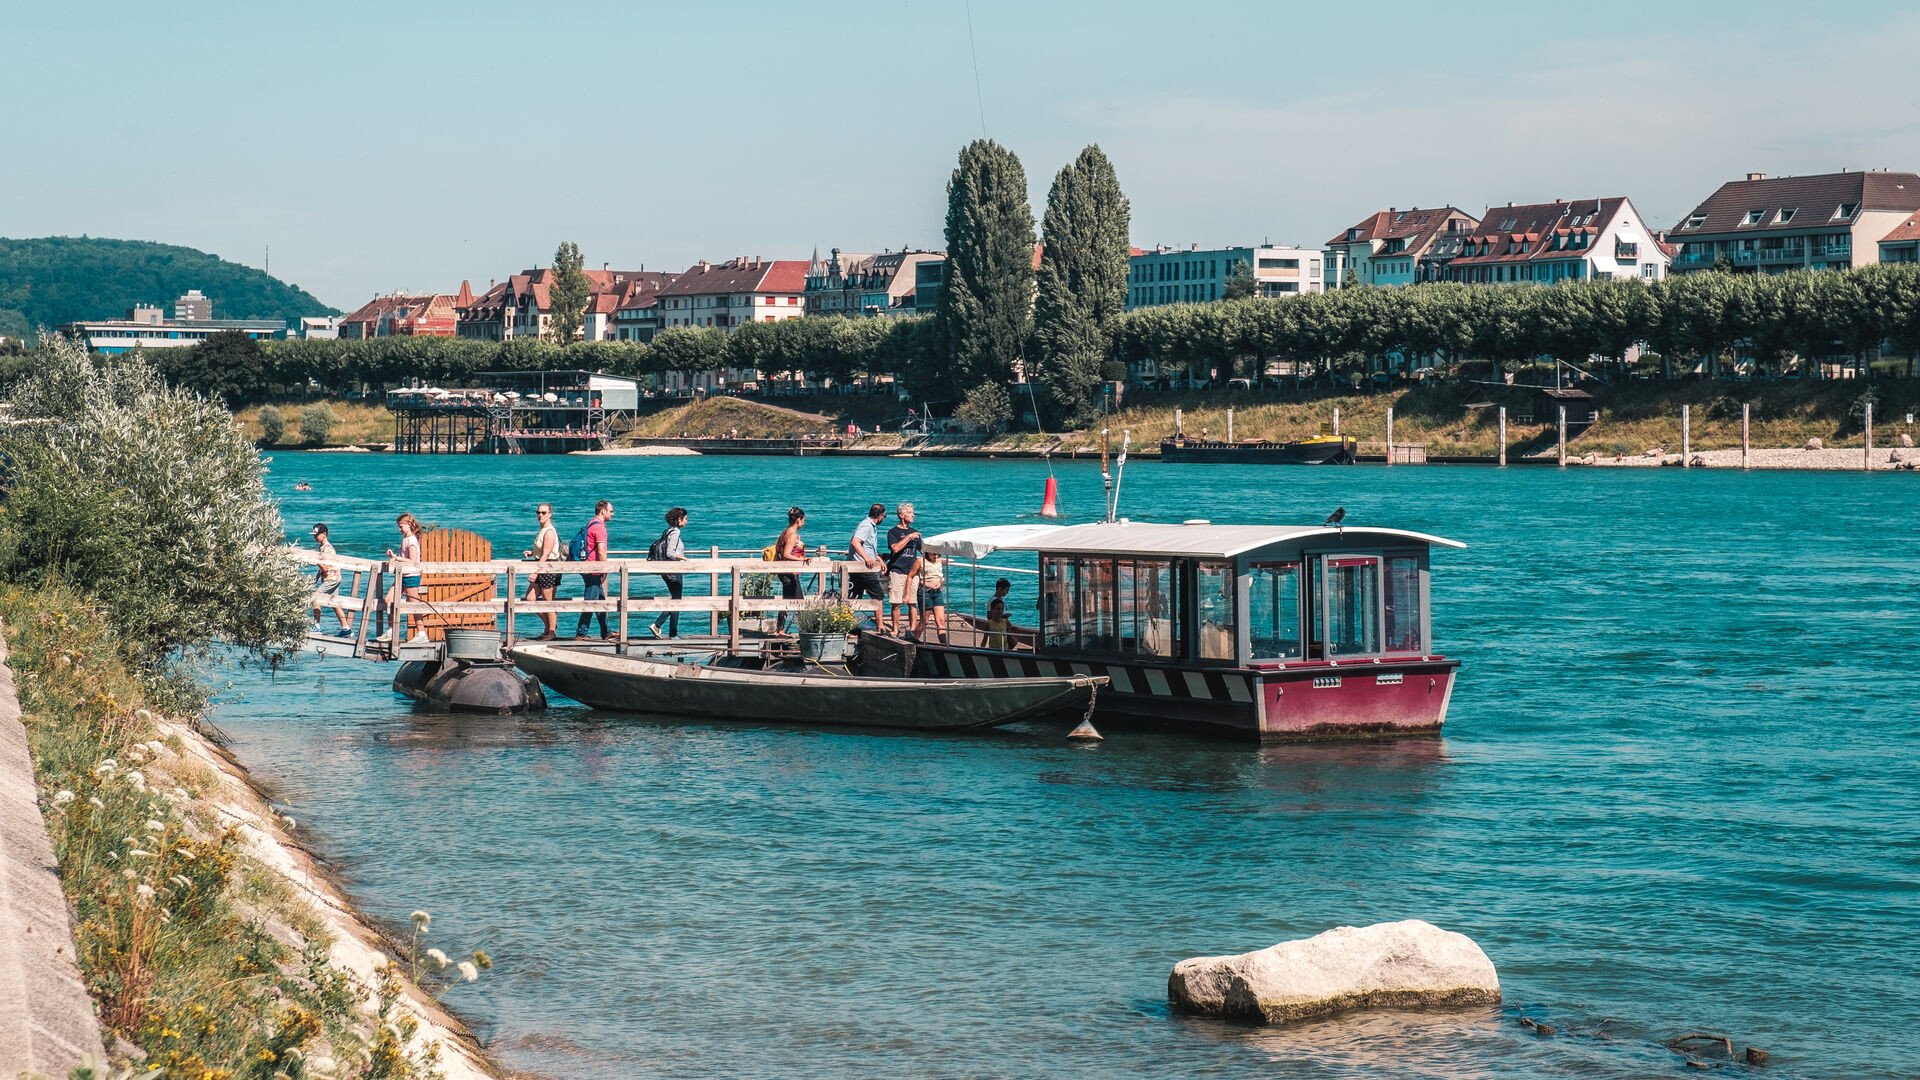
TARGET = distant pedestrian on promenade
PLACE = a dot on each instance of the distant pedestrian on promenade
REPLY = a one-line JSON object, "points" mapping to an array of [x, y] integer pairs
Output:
{"points": [[903, 566], [865, 550], [326, 582], [546, 548], [670, 548], [933, 596], [790, 548], [590, 545]]}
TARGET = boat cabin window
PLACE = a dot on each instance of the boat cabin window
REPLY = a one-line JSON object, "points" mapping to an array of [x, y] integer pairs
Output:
{"points": [[1349, 589], [1213, 605], [1273, 610], [1404, 604], [1093, 604]]}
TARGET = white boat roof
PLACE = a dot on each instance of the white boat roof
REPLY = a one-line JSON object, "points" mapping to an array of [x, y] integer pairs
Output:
{"points": [[1202, 540]]}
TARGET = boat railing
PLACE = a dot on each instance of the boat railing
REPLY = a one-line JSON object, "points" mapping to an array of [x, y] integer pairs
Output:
{"points": [[492, 594]]}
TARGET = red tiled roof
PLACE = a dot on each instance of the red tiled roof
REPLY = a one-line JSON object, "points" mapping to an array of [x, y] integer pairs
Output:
{"points": [[1506, 227], [1903, 232], [1813, 198], [740, 275], [1400, 225]]}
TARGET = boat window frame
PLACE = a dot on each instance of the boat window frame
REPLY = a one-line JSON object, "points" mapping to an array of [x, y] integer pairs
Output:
{"points": [[1075, 577], [1380, 555], [1301, 585]]}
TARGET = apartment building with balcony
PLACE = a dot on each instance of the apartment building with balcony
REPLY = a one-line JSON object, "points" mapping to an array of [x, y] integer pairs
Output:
{"points": [[1397, 247], [1190, 275], [848, 283], [1543, 243], [1770, 224], [1902, 245]]}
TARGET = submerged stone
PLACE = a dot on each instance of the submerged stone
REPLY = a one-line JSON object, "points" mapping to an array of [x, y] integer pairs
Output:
{"points": [[1399, 965]]}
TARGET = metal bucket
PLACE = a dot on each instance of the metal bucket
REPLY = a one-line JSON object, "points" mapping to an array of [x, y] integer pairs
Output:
{"points": [[472, 644], [830, 647]]}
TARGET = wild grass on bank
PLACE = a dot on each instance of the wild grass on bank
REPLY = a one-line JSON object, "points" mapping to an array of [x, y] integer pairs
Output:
{"points": [[193, 952], [354, 423]]}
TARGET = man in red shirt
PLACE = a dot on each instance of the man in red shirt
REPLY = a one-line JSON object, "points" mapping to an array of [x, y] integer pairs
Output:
{"points": [[596, 551]]}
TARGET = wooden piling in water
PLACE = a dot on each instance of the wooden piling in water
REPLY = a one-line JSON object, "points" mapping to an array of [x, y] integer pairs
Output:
{"points": [[1336, 421], [1229, 423], [1503, 436], [1563, 436], [1746, 444], [1686, 436], [1866, 457], [1389, 435]]}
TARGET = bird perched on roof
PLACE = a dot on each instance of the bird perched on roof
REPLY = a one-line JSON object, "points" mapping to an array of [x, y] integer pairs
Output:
{"points": [[1339, 515]]}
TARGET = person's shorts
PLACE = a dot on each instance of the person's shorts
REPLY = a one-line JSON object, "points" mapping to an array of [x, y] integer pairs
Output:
{"points": [[410, 581], [933, 598], [900, 589], [546, 581], [327, 588]]}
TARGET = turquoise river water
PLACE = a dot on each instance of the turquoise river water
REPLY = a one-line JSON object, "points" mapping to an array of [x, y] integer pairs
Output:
{"points": [[1676, 794]]}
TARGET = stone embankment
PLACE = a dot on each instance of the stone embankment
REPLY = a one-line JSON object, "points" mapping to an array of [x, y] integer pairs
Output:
{"points": [[1400, 965], [47, 1021]]}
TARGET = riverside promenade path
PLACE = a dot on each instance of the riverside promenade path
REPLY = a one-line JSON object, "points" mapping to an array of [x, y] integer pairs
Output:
{"points": [[47, 1021]]}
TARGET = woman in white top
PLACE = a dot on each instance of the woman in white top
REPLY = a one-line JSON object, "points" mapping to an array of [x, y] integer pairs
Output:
{"points": [[546, 548]]}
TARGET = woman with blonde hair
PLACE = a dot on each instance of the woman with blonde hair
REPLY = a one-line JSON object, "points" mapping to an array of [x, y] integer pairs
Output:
{"points": [[409, 560]]}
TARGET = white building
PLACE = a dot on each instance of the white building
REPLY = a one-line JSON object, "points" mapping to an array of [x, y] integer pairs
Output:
{"points": [[147, 327], [1192, 276], [727, 296], [1592, 239]]}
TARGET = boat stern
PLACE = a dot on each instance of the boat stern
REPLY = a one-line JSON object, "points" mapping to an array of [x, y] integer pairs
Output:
{"points": [[1356, 699]]}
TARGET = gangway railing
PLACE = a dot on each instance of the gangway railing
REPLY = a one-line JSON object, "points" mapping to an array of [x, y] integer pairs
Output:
{"points": [[386, 623]]}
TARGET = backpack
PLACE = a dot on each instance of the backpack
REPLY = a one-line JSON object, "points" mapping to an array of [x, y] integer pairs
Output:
{"points": [[577, 547], [657, 551]]}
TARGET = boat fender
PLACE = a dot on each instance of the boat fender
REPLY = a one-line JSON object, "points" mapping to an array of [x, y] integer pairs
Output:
{"points": [[1085, 733]]}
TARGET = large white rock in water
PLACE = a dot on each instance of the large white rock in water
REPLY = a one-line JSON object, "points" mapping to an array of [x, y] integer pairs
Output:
{"points": [[1398, 965]]}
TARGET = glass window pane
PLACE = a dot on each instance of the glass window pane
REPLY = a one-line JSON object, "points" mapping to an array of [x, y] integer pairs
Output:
{"points": [[1155, 595], [1126, 582], [1213, 600], [1353, 605], [1403, 604], [1096, 605], [1273, 611], [1059, 627]]}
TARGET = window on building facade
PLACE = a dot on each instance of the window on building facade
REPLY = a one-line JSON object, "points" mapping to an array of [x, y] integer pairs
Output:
{"points": [[1753, 217], [1844, 211], [1786, 214]]}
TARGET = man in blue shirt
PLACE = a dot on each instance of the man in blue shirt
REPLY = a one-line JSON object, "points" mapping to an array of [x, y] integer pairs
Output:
{"points": [[865, 550]]}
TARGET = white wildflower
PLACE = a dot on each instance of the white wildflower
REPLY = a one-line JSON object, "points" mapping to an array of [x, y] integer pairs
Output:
{"points": [[184, 852], [63, 797], [438, 959], [136, 753], [421, 920], [94, 801], [143, 716], [129, 841], [322, 1064], [137, 778], [468, 972], [128, 873], [106, 768], [181, 794], [140, 853], [145, 891], [181, 880], [155, 825], [156, 747], [289, 823]]}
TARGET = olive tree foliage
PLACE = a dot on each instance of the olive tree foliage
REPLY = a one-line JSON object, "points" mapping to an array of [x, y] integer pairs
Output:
{"points": [[567, 293], [988, 296], [150, 498], [1082, 284], [273, 424], [316, 423]]}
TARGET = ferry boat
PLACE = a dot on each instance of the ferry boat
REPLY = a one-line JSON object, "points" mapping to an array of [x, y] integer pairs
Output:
{"points": [[1323, 449], [1271, 632]]}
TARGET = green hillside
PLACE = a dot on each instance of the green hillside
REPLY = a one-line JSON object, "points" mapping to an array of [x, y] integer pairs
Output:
{"points": [[57, 279]]}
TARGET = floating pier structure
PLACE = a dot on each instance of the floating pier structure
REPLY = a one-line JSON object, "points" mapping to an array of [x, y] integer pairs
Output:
{"points": [[514, 412]]}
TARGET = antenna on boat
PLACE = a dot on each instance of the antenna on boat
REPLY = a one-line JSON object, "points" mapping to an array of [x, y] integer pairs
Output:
{"points": [[1119, 473], [1106, 475]]}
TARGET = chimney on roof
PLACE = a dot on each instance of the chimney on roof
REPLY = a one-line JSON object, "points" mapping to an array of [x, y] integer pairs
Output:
{"points": [[1510, 202], [1756, 176]]}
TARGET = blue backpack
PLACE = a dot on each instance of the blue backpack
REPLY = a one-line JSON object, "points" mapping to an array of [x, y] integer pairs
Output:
{"points": [[577, 547]]}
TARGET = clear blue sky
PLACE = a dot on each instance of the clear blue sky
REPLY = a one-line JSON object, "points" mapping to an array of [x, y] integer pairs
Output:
{"points": [[388, 146]]}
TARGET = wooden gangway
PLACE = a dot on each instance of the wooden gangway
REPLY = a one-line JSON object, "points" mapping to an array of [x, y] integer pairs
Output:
{"points": [[490, 593]]}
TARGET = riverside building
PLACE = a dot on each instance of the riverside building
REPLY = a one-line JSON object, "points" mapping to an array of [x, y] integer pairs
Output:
{"points": [[1769, 224], [1585, 240], [147, 327], [848, 283], [1190, 275], [1398, 247]]}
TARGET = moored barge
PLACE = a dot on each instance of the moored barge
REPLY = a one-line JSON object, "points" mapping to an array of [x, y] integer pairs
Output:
{"points": [[1319, 450], [1270, 632]]}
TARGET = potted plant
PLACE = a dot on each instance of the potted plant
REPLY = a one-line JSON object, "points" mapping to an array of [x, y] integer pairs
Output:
{"points": [[825, 622], [758, 586]]}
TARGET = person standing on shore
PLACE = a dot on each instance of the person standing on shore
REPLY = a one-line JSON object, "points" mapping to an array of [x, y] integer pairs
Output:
{"points": [[865, 550], [591, 546], [546, 548], [903, 564], [670, 548], [326, 577], [790, 548]]}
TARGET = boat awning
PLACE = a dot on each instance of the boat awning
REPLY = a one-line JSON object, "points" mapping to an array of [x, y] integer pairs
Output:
{"points": [[1200, 540], [984, 541]]}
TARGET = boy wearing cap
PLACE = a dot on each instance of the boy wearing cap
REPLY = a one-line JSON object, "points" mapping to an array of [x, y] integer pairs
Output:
{"points": [[326, 583]]}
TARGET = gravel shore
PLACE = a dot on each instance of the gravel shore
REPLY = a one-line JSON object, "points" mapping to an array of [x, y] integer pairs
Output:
{"points": [[1834, 459]]}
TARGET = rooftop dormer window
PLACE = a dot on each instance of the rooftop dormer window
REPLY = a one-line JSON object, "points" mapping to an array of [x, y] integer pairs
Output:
{"points": [[1753, 217], [1845, 211], [1695, 221], [1786, 215]]}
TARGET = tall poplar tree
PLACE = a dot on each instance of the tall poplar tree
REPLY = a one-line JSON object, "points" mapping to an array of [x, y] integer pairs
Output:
{"points": [[988, 294], [1082, 281], [567, 293]]}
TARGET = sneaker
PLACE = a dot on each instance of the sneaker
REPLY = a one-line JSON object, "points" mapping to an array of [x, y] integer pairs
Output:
{"points": [[653, 631], [313, 628]]}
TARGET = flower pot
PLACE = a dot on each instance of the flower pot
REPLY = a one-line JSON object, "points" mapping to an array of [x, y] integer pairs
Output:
{"points": [[826, 646]]}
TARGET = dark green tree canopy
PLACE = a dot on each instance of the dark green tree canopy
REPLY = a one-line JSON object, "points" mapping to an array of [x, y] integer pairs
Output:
{"points": [[1082, 282], [988, 296], [567, 293]]}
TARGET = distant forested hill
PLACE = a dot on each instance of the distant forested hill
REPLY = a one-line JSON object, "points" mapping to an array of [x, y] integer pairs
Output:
{"points": [[58, 279]]}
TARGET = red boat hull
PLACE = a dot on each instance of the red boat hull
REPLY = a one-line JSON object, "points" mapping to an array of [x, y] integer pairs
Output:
{"points": [[1305, 701]]}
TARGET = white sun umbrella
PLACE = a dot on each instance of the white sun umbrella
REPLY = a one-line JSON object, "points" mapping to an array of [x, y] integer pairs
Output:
{"points": [[976, 544]]}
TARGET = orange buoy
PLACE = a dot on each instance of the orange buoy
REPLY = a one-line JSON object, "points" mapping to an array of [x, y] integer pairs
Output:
{"points": [[1050, 506]]}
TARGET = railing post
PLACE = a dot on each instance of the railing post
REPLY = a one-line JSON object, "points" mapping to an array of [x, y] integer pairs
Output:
{"points": [[1686, 436], [1229, 423], [733, 613], [1746, 443], [1866, 459], [713, 589], [1503, 436], [623, 609], [1563, 436], [367, 613], [1389, 435], [512, 598]]}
